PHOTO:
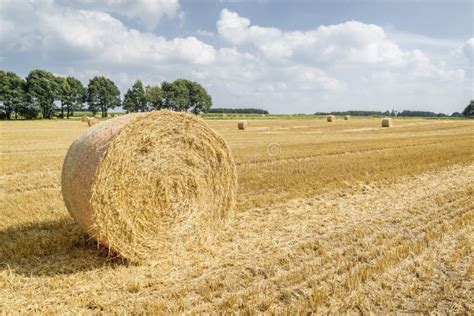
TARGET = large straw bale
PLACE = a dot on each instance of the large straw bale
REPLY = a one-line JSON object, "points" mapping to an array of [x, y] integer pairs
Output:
{"points": [[331, 118], [142, 183], [387, 122], [347, 117], [242, 124], [84, 118]]}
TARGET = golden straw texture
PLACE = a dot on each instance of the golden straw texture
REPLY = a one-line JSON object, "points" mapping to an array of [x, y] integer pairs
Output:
{"points": [[153, 181]]}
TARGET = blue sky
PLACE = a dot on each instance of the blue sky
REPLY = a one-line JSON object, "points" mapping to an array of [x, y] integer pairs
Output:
{"points": [[284, 56], [420, 17]]}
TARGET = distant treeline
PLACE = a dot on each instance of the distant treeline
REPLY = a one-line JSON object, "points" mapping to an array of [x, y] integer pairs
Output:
{"points": [[44, 95], [468, 112], [238, 111]]}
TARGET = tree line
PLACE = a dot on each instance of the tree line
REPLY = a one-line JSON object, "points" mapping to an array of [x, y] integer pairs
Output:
{"points": [[43, 95], [468, 112], [238, 111]]}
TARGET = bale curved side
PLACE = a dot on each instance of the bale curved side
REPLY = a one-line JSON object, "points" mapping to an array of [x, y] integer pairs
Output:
{"points": [[80, 166]]}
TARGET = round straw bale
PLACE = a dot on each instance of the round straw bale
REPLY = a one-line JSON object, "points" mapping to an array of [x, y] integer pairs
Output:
{"points": [[143, 183], [347, 117], [91, 121], [330, 118], [387, 122], [98, 116], [84, 118], [242, 124]]}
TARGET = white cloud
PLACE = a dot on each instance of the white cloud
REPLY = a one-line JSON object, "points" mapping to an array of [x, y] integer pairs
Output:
{"points": [[146, 12], [468, 49], [369, 67], [97, 37], [350, 44]]}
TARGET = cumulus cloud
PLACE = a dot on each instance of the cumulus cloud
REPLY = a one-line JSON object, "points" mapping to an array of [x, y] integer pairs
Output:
{"points": [[95, 36], [350, 43], [468, 49], [146, 12]]}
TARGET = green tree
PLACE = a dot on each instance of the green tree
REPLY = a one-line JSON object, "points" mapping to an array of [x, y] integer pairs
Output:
{"points": [[75, 96], [41, 90], [102, 95], [175, 95], [135, 99], [469, 110], [199, 99], [154, 97], [11, 92], [185, 95], [62, 89]]}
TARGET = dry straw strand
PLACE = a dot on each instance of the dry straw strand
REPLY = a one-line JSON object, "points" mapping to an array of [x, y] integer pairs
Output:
{"points": [[141, 183], [387, 122], [242, 125]]}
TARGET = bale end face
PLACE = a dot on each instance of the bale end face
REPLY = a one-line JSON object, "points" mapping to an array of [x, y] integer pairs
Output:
{"points": [[243, 125], [387, 122]]}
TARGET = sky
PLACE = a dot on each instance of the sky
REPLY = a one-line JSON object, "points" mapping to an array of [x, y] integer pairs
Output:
{"points": [[282, 56]]}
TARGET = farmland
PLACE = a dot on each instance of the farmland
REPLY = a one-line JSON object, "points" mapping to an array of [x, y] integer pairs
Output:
{"points": [[330, 217]]}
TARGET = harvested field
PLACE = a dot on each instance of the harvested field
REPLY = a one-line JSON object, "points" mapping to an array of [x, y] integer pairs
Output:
{"points": [[330, 218]]}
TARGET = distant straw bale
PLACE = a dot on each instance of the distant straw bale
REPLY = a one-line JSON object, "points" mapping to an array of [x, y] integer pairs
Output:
{"points": [[242, 124], [140, 183], [347, 117], [84, 118], [331, 118], [91, 121], [387, 122]]}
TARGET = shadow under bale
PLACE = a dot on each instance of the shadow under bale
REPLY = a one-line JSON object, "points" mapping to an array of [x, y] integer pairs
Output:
{"points": [[51, 248]]}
